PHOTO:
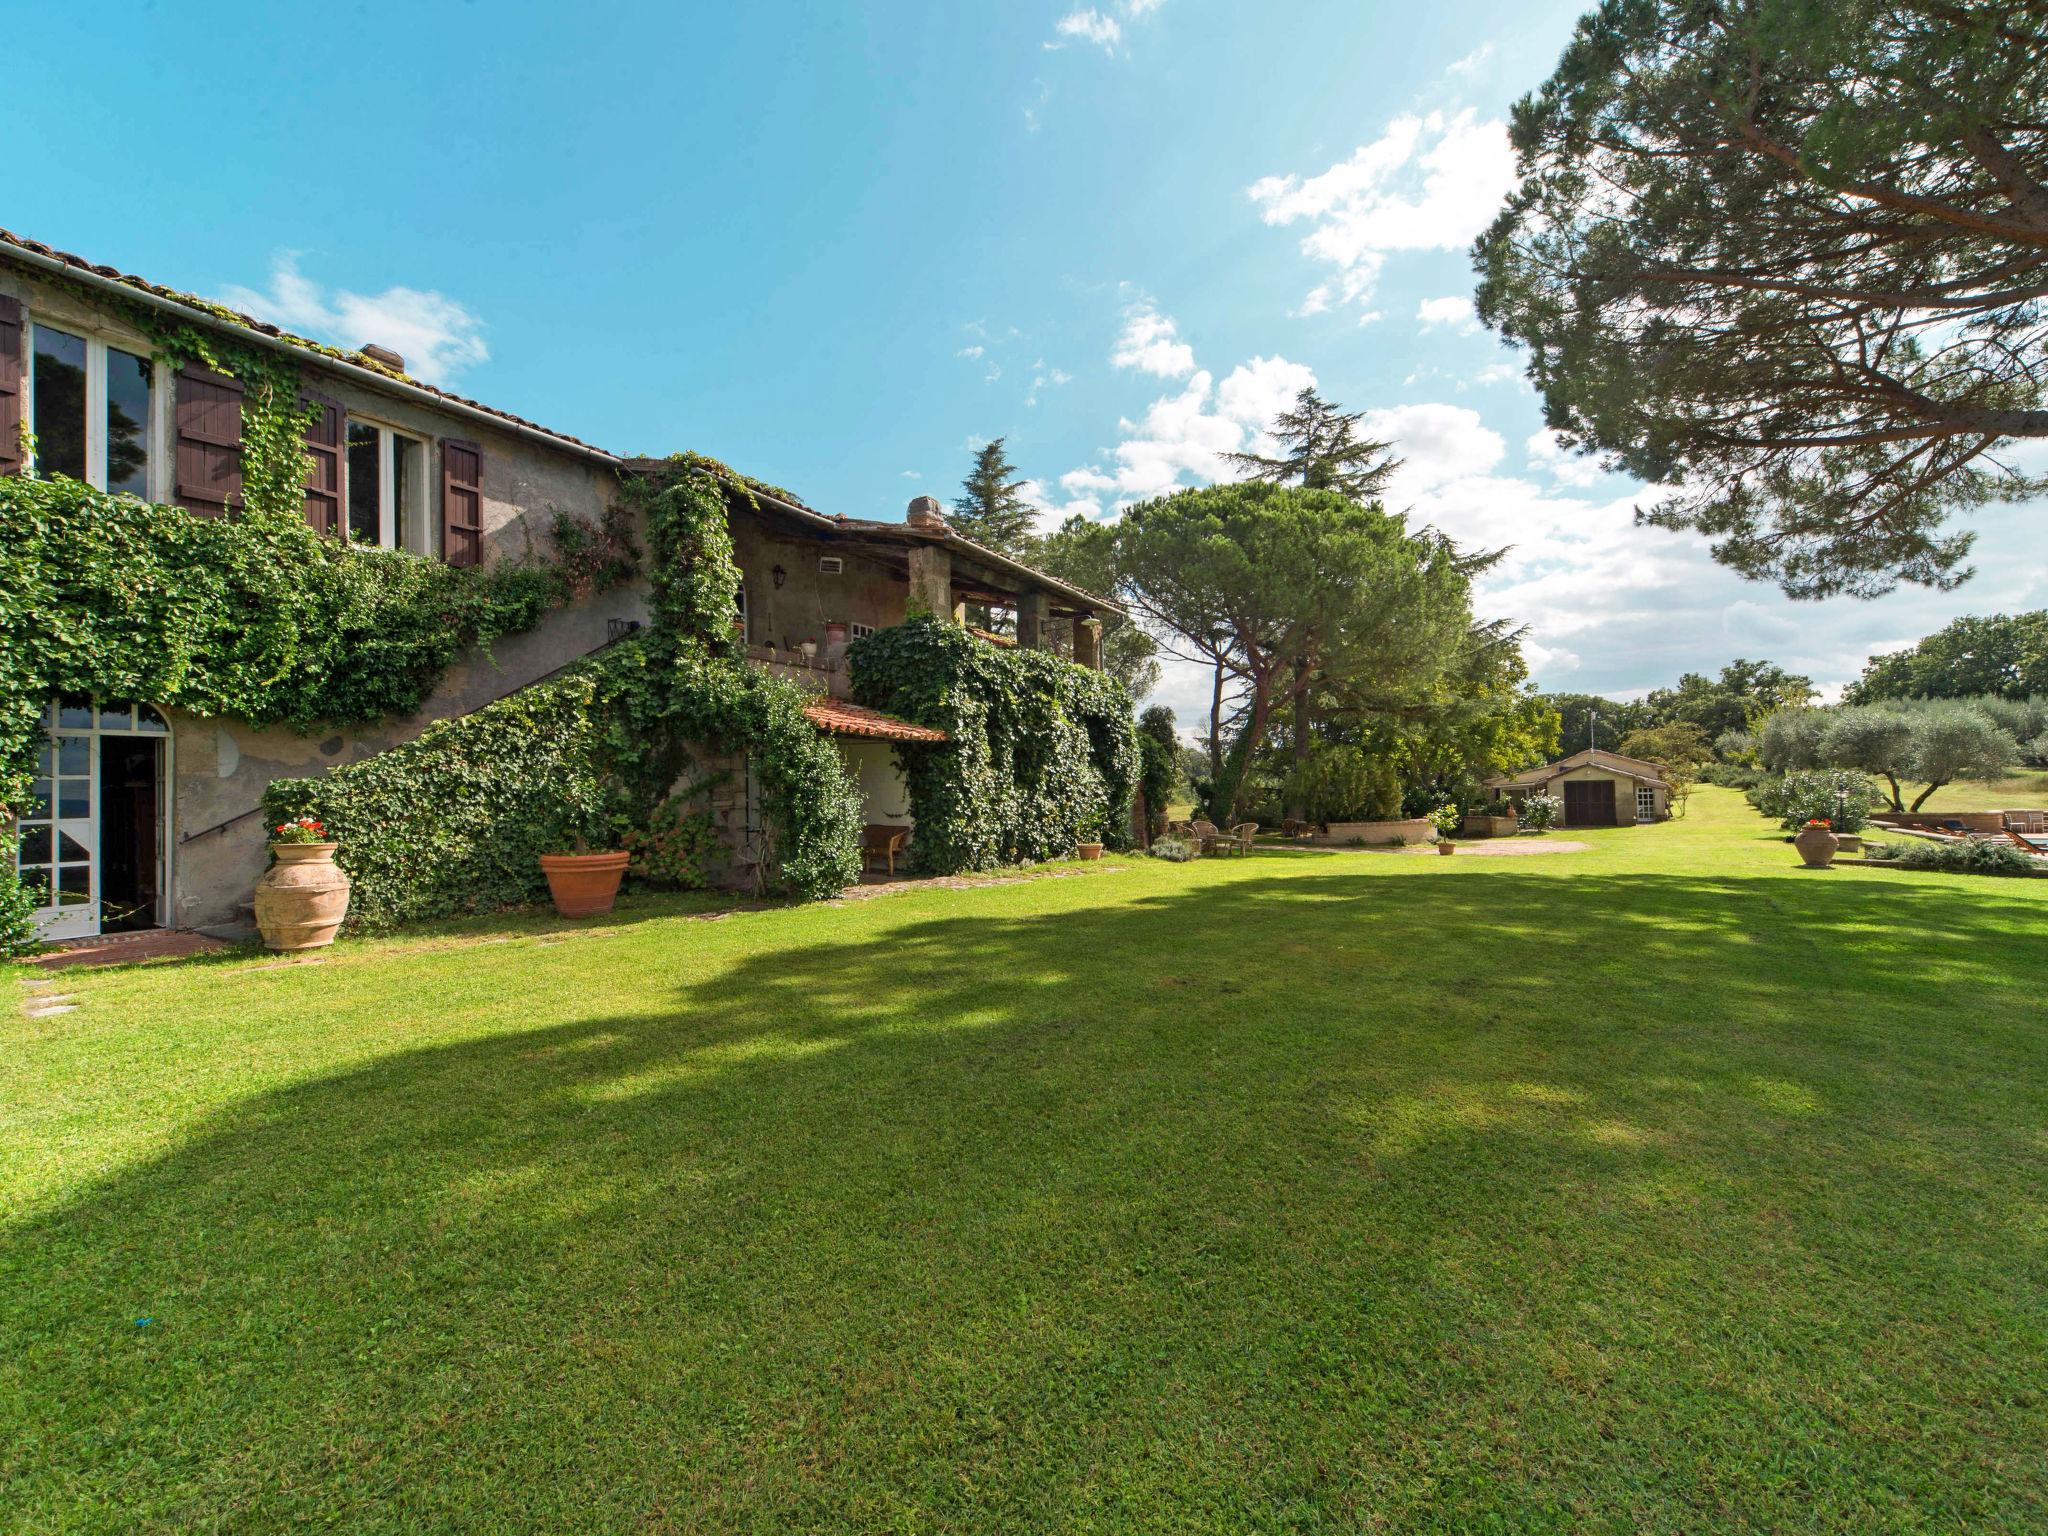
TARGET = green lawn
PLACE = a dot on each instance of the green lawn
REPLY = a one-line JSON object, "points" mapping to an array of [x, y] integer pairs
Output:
{"points": [[2025, 790], [1661, 1187]]}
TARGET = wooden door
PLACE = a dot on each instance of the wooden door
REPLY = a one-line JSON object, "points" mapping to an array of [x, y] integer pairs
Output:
{"points": [[1589, 803]]}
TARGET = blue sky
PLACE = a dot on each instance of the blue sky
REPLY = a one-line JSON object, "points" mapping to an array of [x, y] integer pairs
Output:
{"points": [[838, 245]]}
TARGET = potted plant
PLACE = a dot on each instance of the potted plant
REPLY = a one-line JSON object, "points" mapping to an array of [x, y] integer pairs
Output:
{"points": [[303, 897], [1445, 818], [1090, 846], [1817, 843], [583, 882]]}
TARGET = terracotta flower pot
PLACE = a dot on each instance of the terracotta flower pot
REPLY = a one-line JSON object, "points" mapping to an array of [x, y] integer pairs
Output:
{"points": [[583, 884], [1817, 846], [302, 897], [1089, 850], [1447, 848]]}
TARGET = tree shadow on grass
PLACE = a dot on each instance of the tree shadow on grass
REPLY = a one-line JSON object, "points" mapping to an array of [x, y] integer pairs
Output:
{"points": [[1269, 1203]]}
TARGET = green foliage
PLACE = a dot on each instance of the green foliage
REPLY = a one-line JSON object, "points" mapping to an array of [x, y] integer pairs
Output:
{"points": [[1787, 259], [1341, 782], [256, 618], [17, 914], [677, 847], [456, 819], [1446, 819], [1541, 811], [991, 508], [1931, 741], [1158, 762], [2001, 654], [595, 554], [1295, 588], [1320, 450], [1041, 754], [1839, 798], [1084, 553], [596, 751], [1963, 856]]}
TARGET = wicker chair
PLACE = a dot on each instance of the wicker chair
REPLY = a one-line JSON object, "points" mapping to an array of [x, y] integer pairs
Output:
{"points": [[1239, 838], [1205, 834]]}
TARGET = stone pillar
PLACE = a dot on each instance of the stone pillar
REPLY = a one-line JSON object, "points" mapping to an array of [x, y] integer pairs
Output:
{"points": [[1088, 643], [931, 581], [1031, 621]]}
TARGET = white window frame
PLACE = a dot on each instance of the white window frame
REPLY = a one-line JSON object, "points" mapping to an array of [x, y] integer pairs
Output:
{"points": [[158, 479], [858, 631], [1646, 803], [387, 510]]}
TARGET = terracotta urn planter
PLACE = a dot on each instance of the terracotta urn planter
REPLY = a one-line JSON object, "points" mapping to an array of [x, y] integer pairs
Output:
{"points": [[302, 897], [1817, 846], [583, 884], [1446, 847], [1089, 850]]}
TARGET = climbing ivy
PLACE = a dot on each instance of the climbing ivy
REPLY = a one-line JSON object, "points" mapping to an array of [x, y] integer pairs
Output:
{"points": [[455, 820], [256, 618], [1041, 754]]}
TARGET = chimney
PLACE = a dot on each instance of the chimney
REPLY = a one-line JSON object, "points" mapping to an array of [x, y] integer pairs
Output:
{"points": [[383, 355], [924, 513]]}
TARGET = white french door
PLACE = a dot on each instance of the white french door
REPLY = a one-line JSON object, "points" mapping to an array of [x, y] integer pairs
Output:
{"points": [[58, 835]]}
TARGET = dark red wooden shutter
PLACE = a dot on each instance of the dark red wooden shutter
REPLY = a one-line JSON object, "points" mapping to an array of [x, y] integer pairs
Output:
{"points": [[209, 442], [10, 386], [462, 502], [325, 439]]}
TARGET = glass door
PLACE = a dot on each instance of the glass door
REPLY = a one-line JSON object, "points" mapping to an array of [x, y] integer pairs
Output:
{"points": [[59, 832]]}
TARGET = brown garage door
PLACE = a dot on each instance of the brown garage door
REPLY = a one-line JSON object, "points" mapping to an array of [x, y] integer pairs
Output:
{"points": [[1589, 803]]}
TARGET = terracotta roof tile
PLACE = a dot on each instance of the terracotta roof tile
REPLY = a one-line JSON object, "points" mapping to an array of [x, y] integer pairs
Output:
{"points": [[844, 719]]}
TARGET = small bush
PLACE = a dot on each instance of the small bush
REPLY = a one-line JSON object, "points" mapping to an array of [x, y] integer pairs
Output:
{"points": [[1833, 795], [17, 915], [1541, 812], [1967, 856], [677, 846], [1174, 850], [1732, 775]]}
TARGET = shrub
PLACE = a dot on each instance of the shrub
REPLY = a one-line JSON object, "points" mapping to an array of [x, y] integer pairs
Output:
{"points": [[17, 914], [1840, 798], [1446, 819], [677, 847], [1174, 850], [1731, 775], [1541, 812], [1341, 783], [1967, 856], [1040, 754]]}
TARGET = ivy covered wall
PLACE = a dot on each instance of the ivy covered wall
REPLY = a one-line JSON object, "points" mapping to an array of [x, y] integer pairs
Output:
{"points": [[455, 820], [1042, 754]]}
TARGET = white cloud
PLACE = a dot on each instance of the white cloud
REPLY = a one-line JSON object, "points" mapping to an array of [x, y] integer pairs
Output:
{"points": [[1151, 341], [436, 336], [1564, 466], [1437, 444], [1089, 26], [911, 474], [1181, 438], [1044, 377], [970, 351], [1142, 8], [1469, 65], [1453, 310], [1427, 183]]}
